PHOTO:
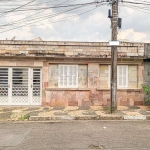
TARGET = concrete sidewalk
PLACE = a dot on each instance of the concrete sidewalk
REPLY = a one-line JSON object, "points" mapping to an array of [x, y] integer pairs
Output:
{"points": [[73, 113]]}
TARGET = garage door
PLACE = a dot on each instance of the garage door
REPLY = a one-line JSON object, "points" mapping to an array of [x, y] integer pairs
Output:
{"points": [[20, 86]]}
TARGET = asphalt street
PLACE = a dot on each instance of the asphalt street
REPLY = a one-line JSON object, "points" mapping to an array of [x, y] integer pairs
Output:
{"points": [[75, 135]]}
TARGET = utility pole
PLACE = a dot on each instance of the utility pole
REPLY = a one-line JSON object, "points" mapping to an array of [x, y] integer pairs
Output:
{"points": [[114, 26]]}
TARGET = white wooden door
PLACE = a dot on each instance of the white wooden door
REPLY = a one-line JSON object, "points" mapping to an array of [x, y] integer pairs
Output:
{"points": [[20, 86]]}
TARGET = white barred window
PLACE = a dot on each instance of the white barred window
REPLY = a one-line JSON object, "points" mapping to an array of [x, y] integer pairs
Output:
{"points": [[68, 76], [122, 71]]}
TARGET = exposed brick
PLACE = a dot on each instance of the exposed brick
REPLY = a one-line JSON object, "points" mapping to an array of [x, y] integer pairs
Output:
{"points": [[124, 103], [45, 104], [55, 103], [86, 103], [136, 103], [72, 103], [43, 99], [45, 84]]}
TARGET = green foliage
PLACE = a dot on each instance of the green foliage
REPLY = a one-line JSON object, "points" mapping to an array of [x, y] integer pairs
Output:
{"points": [[26, 116], [108, 110], [146, 91]]}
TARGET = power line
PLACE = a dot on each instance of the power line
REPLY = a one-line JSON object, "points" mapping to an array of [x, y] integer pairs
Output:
{"points": [[34, 10], [20, 6], [73, 16], [50, 22], [136, 3], [13, 0], [27, 24], [63, 6], [36, 3], [30, 16], [135, 8], [67, 18], [49, 16], [141, 21], [42, 18]]}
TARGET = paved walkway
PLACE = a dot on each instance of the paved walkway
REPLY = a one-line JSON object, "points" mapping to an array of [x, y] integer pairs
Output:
{"points": [[73, 113]]}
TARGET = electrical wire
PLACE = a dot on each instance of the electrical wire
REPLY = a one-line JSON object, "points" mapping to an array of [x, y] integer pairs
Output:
{"points": [[50, 22], [21, 6], [43, 18], [49, 16], [26, 25], [72, 16], [62, 6], [66, 18], [14, 0], [32, 10], [35, 18], [141, 21], [18, 21], [135, 8], [142, 7], [136, 3]]}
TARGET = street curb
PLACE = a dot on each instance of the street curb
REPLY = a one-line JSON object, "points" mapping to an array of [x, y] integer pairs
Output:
{"points": [[62, 117], [38, 118], [131, 117], [89, 117], [82, 117], [113, 117]]}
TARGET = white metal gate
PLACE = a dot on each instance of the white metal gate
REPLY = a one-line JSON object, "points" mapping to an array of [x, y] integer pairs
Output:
{"points": [[20, 86], [36, 87], [4, 86]]}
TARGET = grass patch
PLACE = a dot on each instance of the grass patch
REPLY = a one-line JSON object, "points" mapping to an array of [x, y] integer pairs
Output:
{"points": [[107, 110], [25, 117]]}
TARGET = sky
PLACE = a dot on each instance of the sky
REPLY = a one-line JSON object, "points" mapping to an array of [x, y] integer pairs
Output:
{"points": [[89, 23]]}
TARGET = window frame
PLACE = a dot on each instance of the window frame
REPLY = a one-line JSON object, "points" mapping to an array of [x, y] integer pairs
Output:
{"points": [[67, 86], [118, 75], [109, 74]]}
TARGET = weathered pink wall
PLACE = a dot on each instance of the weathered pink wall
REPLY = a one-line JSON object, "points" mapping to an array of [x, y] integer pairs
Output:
{"points": [[92, 98], [92, 95], [86, 96]]}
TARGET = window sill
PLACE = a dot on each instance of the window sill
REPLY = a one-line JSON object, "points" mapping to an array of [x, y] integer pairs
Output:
{"points": [[103, 89], [68, 89], [128, 90]]}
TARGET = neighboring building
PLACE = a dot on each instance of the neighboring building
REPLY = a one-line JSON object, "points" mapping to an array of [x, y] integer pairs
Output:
{"points": [[68, 73], [147, 67]]}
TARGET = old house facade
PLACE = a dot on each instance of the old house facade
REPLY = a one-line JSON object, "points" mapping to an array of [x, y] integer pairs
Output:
{"points": [[68, 73], [147, 67]]}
